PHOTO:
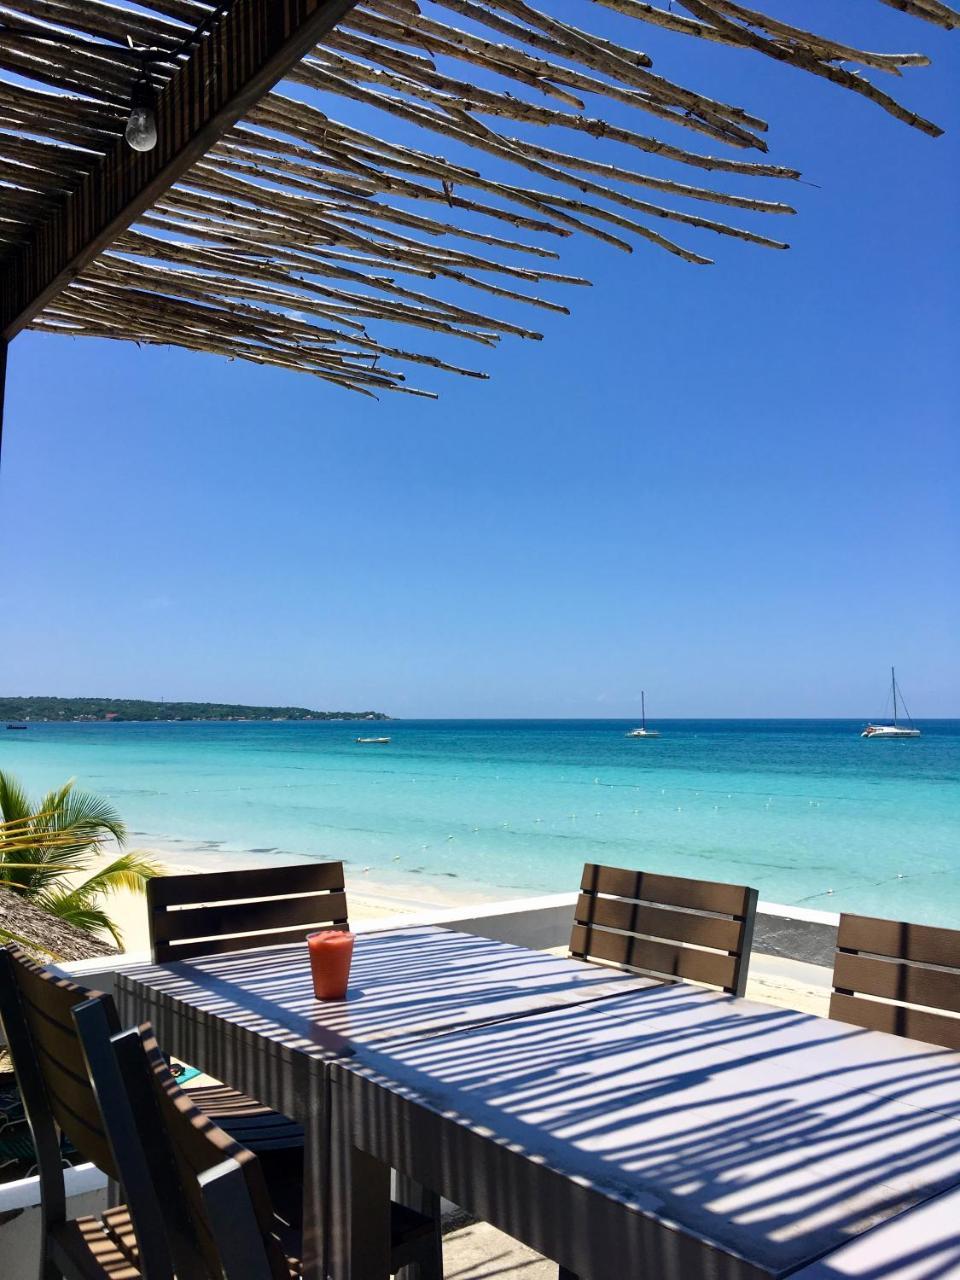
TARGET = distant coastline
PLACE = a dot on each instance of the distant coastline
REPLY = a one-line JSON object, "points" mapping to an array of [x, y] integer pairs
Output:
{"points": [[39, 710]]}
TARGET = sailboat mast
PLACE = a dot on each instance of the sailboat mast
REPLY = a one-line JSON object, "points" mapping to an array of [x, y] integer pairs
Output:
{"points": [[893, 684], [643, 708]]}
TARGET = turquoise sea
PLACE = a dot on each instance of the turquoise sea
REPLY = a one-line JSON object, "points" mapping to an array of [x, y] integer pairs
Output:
{"points": [[804, 810]]}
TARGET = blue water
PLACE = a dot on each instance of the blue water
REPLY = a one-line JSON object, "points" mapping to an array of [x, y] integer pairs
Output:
{"points": [[795, 808]]}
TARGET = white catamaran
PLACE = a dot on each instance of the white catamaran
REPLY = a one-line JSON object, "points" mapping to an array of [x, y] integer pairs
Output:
{"points": [[893, 730], [643, 731]]}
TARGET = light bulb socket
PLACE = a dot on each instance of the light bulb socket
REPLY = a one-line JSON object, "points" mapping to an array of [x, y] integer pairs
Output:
{"points": [[143, 95]]}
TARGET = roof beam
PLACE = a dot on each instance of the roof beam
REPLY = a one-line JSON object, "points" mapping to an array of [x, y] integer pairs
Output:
{"points": [[251, 46]]}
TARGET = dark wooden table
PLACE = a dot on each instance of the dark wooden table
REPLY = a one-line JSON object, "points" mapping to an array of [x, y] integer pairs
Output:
{"points": [[673, 1133], [251, 1020]]}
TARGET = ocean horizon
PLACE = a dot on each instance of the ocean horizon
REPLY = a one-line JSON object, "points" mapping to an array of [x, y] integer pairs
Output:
{"points": [[803, 809]]}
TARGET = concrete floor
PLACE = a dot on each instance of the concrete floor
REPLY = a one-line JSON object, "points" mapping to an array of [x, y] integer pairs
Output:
{"points": [[478, 1251]]}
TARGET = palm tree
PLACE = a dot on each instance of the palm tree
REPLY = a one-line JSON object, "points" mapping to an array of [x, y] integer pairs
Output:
{"points": [[45, 847]]}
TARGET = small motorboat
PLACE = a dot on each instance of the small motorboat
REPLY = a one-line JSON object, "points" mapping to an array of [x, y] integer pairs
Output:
{"points": [[382, 742], [893, 730], [18, 726]]}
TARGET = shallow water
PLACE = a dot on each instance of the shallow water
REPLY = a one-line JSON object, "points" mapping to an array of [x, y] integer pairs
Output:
{"points": [[795, 808]]}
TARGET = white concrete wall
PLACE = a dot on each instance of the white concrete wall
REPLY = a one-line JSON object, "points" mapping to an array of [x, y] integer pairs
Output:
{"points": [[20, 1231]]}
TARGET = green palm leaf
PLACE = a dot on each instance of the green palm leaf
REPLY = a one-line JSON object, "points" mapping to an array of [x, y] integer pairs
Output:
{"points": [[44, 847], [14, 803], [129, 871], [84, 914]]}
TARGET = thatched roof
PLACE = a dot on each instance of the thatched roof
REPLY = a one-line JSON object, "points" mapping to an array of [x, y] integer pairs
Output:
{"points": [[341, 249], [46, 935]]}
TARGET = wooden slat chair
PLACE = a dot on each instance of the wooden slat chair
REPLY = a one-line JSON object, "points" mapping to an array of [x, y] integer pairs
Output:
{"points": [[31, 996], [35, 1011], [900, 978], [209, 1190], [221, 911], [665, 926]]}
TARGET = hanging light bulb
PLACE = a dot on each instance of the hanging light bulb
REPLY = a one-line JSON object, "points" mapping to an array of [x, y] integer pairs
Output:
{"points": [[141, 130]]}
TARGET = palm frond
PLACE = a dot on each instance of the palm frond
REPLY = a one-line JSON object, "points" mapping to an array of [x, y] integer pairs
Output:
{"points": [[90, 817], [6, 935], [14, 802], [84, 913], [131, 871], [43, 846]]}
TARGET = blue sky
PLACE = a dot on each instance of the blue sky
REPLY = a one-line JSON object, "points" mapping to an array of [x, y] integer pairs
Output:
{"points": [[734, 486]]}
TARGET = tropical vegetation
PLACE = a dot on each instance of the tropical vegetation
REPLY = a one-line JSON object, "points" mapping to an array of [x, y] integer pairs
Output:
{"points": [[42, 709], [52, 853]]}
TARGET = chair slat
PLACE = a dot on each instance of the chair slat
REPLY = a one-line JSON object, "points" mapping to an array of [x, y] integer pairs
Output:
{"points": [[897, 1020], [659, 922], [924, 944], [894, 980], [253, 882], [165, 952], [248, 917], [668, 891], [648, 956], [239, 910]]}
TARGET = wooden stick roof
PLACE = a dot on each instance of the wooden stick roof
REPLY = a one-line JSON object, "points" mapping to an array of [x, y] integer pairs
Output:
{"points": [[305, 239], [46, 935]]}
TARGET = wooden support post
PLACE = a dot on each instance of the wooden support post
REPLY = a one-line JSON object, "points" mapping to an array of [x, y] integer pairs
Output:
{"points": [[245, 53], [3, 387]]}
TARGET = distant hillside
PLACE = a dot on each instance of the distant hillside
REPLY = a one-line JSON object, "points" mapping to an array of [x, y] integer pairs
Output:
{"points": [[46, 709]]}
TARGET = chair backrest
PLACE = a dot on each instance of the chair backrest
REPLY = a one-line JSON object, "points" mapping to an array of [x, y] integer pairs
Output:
{"points": [[208, 914], [665, 926], [209, 1191], [883, 969], [35, 1008]]}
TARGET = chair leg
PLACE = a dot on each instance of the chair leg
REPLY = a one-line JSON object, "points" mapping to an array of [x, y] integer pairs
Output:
{"points": [[429, 1266], [48, 1268]]}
